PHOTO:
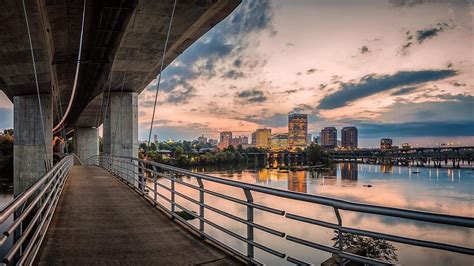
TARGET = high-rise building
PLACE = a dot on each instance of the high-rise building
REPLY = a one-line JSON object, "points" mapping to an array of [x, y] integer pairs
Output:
{"points": [[235, 142], [349, 138], [254, 138], [309, 139], [386, 144], [328, 137], [202, 139], [279, 142], [155, 138], [213, 141], [297, 131], [262, 136], [225, 139], [243, 140], [317, 140]]}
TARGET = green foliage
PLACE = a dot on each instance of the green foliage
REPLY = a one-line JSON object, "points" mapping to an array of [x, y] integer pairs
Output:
{"points": [[316, 155], [230, 148], [371, 247], [178, 152], [6, 154]]}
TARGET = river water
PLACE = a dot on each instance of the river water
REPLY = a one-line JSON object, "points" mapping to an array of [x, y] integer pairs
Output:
{"points": [[426, 189]]}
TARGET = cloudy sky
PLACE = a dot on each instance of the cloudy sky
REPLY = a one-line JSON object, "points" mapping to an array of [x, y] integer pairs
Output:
{"points": [[394, 68]]}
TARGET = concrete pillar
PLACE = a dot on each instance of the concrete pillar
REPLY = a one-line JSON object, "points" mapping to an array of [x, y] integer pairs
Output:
{"points": [[121, 125], [30, 154], [121, 132], [86, 142]]}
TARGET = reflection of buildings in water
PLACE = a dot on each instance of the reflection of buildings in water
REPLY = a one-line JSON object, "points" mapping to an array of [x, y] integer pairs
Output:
{"points": [[349, 171], [329, 176], [386, 168], [265, 175], [297, 181]]}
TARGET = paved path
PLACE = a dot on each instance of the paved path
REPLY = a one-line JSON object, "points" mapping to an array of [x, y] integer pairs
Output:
{"points": [[99, 220]]}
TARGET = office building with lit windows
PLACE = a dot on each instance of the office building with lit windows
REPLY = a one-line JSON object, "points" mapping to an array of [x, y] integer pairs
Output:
{"points": [[297, 131]]}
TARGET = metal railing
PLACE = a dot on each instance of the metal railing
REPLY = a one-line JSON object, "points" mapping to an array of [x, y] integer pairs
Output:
{"points": [[32, 211], [136, 172]]}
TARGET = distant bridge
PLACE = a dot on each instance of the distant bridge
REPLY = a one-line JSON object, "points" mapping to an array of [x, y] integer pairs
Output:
{"points": [[419, 156]]}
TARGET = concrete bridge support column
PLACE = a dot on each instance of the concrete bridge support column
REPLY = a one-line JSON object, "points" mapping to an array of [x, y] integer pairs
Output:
{"points": [[86, 142], [30, 155], [121, 129]]}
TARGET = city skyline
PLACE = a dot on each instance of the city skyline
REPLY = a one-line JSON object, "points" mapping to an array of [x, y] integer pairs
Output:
{"points": [[402, 70]]}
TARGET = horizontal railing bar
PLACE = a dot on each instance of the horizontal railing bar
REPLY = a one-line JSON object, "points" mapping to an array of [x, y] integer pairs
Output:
{"points": [[311, 221], [409, 241], [257, 206], [297, 261], [364, 260], [311, 244]]}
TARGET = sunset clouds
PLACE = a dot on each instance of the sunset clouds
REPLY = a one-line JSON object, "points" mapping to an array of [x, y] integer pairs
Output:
{"points": [[384, 66]]}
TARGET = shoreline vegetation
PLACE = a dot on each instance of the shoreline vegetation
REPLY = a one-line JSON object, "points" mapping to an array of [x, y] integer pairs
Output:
{"points": [[184, 154], [6, 157]]}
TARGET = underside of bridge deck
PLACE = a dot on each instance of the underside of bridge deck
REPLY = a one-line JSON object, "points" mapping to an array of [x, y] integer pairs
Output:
{"points": [[101, 221]]}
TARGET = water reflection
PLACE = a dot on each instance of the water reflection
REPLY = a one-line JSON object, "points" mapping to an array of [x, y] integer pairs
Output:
{"points": [[349, 171], [297, 181], [433, 190]]}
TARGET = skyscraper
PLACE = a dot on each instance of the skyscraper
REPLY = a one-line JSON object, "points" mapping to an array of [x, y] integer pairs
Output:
{"points": [[328, 137], [349, 138], [297, 131], [279, 142], [262, 137], [202, 139], [225, 139], [254, 138], [155, 138], [386, 144]]}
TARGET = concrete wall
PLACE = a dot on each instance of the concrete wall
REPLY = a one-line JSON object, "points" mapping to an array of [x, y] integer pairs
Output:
{"points": [[86, 142], [29, 142], [121, 125]]}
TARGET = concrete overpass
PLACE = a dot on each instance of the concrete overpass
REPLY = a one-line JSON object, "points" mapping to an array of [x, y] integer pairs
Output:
{"points": [[122, 47]]}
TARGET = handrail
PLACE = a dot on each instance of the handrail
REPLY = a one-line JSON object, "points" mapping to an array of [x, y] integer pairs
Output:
{"points": [[137, 172], [32, 211]]}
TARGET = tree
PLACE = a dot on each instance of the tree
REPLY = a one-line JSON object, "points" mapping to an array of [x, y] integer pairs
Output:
{"points": [[153, 146], [178, 152], [143, 146], [315, 155], [230, 149]]}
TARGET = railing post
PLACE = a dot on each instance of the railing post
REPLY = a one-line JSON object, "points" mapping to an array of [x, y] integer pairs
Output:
{"points": [[141, 175], [173, 176], [201, 207], [340, 237], [250, 249], [155, 186]]}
